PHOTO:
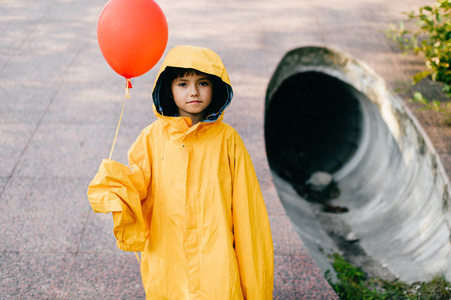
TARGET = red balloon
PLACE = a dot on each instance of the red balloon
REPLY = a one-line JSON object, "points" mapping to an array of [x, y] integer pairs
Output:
{"points": [[132, 35]]}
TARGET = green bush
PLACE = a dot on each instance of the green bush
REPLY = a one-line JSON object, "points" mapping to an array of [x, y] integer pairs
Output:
{"points": [[431, 39]]}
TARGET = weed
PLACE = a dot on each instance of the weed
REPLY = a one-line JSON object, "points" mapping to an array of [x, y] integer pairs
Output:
{"points": [[435, 105], [353, 284]]}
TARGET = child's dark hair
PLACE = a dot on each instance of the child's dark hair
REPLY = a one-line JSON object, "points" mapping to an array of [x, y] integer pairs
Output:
{"points": [[218, 98]]}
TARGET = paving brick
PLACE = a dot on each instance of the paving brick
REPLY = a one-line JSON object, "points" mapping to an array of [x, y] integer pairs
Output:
{"points": [[13, 140], [31, 275], [43, 215], [105, 276], [73, 151]]}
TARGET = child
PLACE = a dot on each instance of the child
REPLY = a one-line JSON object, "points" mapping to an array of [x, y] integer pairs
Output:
{"points": [[190, 200]]}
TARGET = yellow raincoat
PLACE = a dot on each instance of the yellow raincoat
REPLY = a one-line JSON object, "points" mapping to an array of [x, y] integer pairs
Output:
{"points": [[190, 201]]}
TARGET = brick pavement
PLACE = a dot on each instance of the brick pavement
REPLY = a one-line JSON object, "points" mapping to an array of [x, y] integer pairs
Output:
{"points": [[60, 103]]}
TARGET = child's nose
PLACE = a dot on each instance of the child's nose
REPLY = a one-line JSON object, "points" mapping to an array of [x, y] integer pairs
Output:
{"points": [[194, 90]]}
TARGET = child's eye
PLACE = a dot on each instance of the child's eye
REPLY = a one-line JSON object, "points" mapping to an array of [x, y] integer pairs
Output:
{"points": [[204, 83], [182, 84]]}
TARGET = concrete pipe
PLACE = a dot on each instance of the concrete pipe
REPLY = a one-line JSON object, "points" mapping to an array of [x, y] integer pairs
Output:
{"points": [[329, 113]]}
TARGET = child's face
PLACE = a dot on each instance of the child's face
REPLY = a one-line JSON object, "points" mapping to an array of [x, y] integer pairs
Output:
{"points": [[192, 95]]}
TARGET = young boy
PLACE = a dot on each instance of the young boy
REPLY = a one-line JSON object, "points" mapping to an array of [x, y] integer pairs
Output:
{"points": [[190, 200]]}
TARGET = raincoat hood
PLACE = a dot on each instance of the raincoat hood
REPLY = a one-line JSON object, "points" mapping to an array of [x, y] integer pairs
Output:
{"points": [[200, 59]]}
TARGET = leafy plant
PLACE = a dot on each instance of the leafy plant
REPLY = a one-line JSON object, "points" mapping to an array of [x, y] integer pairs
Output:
{"points": [[431, 38]]}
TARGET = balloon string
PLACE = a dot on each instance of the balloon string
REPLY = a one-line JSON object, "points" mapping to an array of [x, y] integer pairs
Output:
{"points": [[127, 95]]}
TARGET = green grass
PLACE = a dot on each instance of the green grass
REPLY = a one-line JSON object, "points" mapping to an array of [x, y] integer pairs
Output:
{"points": [[353, 284]]}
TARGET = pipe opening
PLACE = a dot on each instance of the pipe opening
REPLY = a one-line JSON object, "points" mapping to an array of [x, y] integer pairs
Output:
{"points": [[313, 123]]}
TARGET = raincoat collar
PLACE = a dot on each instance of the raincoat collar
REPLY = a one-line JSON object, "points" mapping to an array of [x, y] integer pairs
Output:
{"points": [[179, 128], [198, 58]]}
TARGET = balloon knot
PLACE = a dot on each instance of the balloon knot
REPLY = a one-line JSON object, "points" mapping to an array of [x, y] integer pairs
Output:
{"points": [[128, 85]]}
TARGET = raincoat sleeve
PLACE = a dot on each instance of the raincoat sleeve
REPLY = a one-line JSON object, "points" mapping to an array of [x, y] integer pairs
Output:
{"points": [[253, 241], [121, 190]]}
